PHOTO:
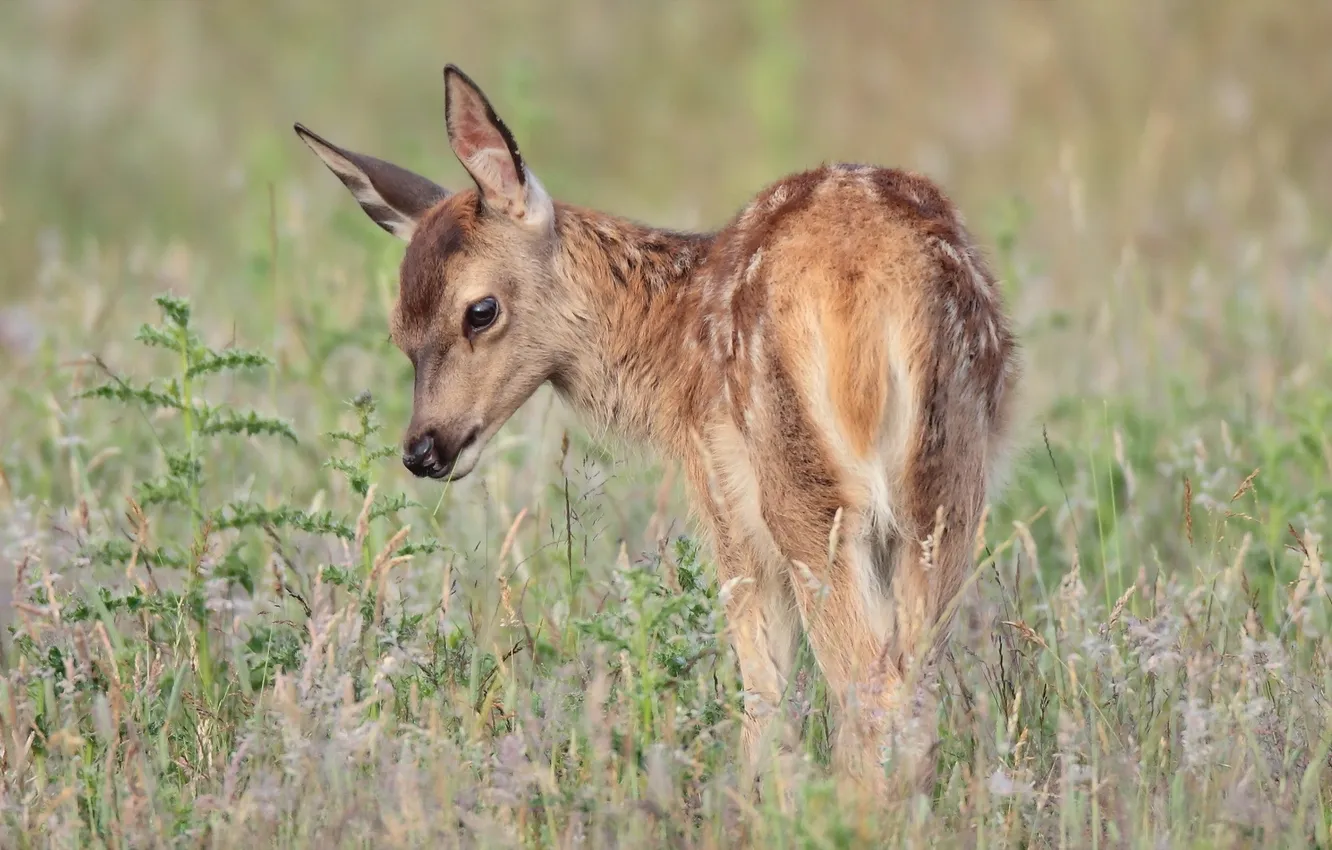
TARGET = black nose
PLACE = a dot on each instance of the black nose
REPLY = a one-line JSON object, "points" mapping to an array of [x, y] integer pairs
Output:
{"points": [[419, 455], [434, 452]]}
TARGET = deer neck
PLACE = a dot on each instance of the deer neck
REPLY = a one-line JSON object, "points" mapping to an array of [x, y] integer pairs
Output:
{"points": [[637, 370]]}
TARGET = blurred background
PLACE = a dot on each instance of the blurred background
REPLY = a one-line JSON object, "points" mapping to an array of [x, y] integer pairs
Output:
{"points": [[1153, 165], [1152, 181]]}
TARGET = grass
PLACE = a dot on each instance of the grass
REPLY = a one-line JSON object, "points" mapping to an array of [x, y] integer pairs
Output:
{"points": [[231, 618]]}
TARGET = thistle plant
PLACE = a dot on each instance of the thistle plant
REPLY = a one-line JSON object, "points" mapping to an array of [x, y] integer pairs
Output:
{"points": [[370, 526], [179, 487], [220, 533], [662, 637]]}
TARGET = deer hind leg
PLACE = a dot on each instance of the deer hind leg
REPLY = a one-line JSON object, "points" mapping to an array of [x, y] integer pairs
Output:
{"points": [[762, 617], [861, 676], [885, 727], [764, 628]]}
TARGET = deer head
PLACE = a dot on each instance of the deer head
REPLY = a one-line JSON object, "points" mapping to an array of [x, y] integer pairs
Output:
{"points": [[481, 312]]}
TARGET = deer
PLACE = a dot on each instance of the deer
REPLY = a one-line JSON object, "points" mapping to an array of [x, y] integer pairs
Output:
{"points": [[833, 370]]}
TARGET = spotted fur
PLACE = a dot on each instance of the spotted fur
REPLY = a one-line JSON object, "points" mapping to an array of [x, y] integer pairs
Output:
{"points": [[833, 369]]}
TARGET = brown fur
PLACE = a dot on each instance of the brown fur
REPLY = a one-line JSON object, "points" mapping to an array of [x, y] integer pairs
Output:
{"points": [[833, 369]]}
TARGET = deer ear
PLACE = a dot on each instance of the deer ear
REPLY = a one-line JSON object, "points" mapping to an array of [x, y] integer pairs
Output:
{"points": [[486, 148], [393, 197]]}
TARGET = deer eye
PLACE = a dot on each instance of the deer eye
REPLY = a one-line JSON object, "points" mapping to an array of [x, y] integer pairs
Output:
{"points": [[482, 314]]}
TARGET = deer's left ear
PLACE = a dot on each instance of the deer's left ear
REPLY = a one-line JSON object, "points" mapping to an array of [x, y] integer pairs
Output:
{"points": [[486, 148], [393, 197]]}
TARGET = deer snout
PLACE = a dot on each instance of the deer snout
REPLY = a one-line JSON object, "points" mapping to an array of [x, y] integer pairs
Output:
{"points": [[433, 452]]}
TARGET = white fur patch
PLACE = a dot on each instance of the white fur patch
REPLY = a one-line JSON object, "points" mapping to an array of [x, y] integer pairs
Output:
{"points": [[754, 262]]}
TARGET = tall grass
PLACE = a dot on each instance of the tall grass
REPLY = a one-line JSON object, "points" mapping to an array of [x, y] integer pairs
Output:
{"points": [[231, 618]]}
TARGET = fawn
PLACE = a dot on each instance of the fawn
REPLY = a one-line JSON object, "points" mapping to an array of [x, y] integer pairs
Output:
{"points": [[833, 369]]}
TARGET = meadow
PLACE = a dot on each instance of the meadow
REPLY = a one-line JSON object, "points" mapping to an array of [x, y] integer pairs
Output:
{"points": [[230, 618]]}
